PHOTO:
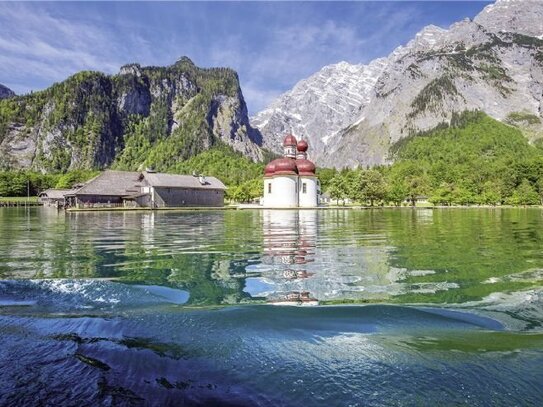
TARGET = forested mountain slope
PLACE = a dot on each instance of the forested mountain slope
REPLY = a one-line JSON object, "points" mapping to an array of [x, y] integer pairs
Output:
{"points": [[141, 117]]}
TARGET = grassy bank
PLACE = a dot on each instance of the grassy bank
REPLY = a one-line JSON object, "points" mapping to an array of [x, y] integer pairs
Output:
{"points": [[19, 199]]}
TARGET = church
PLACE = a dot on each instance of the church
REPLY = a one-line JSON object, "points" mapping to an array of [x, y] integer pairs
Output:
{"points": [[291, 182]]}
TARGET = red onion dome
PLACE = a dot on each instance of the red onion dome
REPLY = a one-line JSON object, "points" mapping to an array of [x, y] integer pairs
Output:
{"points": [[270, 169], [302, 146], [285, 166], [289, 140], [305, 167]]}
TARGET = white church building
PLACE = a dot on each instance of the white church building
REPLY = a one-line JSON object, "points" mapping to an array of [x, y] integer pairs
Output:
{"points": [[290, 182]]}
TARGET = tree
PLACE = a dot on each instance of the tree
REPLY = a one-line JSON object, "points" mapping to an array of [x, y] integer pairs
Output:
{"points": [[442, 195], [491, 194], [69, 179], [525, 194], [325, 175], [540, 188], [372, 186], [416, 185], [337, 188], [396, 193], [462, 196]]}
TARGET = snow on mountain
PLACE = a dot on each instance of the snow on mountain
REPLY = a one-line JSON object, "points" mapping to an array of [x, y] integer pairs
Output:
{"points": [[352, 114], [320, 105]]}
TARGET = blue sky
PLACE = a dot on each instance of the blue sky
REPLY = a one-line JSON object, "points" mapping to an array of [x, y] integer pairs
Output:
{"points": [[272, 45]]}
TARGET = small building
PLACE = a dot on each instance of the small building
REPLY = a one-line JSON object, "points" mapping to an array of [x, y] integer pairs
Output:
{"points": [[291, 182], [147, 189], [105, 190], [54, 197], [164, 190]]}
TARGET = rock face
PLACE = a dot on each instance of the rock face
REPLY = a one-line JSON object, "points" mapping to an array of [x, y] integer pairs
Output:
{"points": [[5, 92], [493, 64], [141, 117], [320, 106]]}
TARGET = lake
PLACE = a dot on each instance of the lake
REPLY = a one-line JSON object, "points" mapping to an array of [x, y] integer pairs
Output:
{"points": [[262, 307]]}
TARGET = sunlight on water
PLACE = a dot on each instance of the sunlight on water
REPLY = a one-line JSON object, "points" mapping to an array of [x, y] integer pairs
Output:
{"points": [[408, 256], [124, 308]]}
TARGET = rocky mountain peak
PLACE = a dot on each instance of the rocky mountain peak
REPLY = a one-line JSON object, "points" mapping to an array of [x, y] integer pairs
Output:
{"points": [[352, 114], [6, 92], [518, 16], [130, 69], [320, 105], [429, 36], [184, 60]]}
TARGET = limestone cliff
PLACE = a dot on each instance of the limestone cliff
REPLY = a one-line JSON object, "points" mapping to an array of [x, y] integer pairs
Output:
{"points": [[493, 64], [141, 117]]}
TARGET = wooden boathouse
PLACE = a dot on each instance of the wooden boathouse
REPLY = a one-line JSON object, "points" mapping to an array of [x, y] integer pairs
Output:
{"points": [[147, 189]]}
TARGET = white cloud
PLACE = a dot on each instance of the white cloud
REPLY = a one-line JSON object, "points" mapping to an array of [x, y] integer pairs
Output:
{"points": [[37, 47]]}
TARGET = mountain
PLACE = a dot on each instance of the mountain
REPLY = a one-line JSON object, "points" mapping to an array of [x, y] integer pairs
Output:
{"points": [[320, 106], [140, 117], [5, 92], [493, 64]]}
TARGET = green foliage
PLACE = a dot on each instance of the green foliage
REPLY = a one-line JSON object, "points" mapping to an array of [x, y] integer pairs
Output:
{"points": [[522, 117], [230, 166], [432, 94], [494, 72], [338, 188], [372, 186], [325, 176], [524, 194], [23, 183], [102, 120], [69, 179], [474, 160], [245, 192]]}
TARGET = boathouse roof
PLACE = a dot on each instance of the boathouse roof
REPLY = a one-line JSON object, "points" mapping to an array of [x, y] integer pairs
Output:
{"points": [[129, 183], [112, 183], [53, 193], [156, 179]]}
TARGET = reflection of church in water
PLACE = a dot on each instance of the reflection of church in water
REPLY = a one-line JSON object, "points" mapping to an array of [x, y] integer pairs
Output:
{"points": [[289, 246]]}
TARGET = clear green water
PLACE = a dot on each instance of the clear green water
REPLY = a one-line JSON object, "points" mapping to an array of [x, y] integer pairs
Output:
{"points": [[228, 257], [417, 307]]}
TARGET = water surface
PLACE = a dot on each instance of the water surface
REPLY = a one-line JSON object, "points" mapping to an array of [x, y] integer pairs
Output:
{"points": [[416, 307]]}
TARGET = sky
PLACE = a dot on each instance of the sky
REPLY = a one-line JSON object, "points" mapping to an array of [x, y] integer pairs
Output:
{"points": [[272, 45]]}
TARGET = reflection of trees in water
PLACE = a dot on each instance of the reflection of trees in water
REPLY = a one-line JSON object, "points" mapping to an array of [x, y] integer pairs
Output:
{"points": [[467, 247], [38, 243], [394, 255], [194, 253], [202, 252]]}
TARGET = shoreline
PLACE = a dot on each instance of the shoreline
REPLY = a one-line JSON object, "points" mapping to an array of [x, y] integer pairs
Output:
{"points": [[327, 207], [257, 207]]}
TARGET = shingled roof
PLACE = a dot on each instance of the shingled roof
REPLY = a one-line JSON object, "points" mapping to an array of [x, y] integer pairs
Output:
{"points": [[156, 179], [112, 183]]}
